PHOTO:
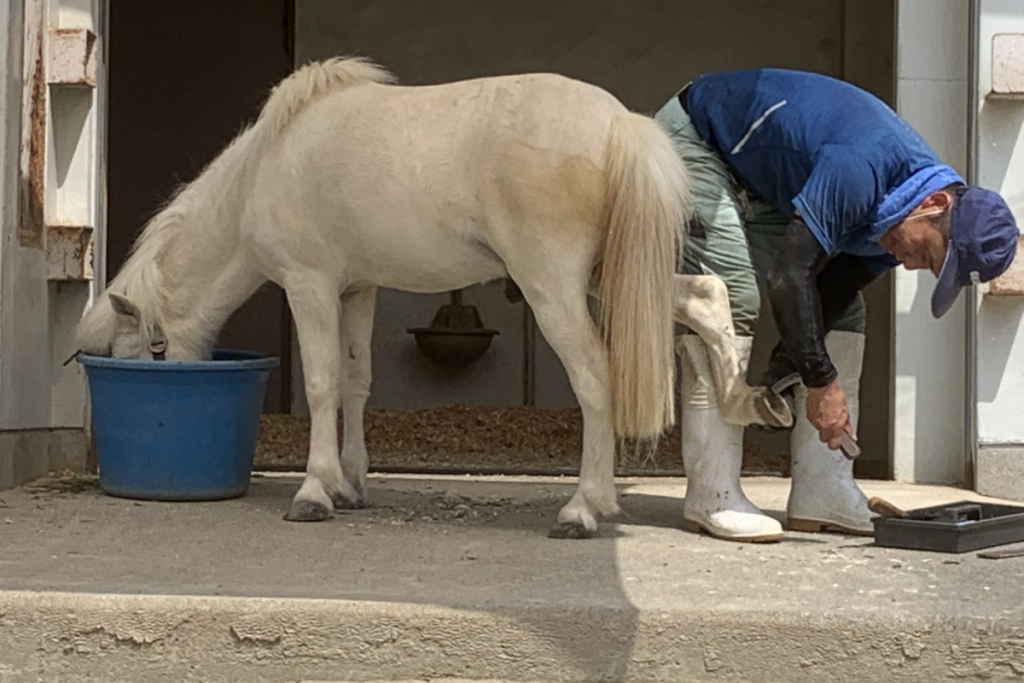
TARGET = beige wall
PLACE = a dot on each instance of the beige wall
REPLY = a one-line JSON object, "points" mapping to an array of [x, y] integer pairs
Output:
{"points": [[642, 51], [928, 355]]}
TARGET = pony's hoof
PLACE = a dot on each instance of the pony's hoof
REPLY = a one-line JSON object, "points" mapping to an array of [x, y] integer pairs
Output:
{"points": [[352, 495], [307, 511], [775, 411], [569, 530], [344, 501]]}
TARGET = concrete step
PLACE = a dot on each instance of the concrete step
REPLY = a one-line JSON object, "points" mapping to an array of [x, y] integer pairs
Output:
{"points": [[454, 578]]}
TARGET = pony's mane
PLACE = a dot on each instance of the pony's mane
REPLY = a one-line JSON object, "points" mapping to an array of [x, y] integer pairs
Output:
{"points": [[312, 81], [140, 278]]}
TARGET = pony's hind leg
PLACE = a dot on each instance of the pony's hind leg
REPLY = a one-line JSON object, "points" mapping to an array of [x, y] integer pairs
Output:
{"points": [[315, 306], [559, 303], [357, 311], [702, 304]]}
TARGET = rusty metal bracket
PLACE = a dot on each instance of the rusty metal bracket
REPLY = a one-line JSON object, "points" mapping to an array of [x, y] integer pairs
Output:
{"points": [[72, 57], [69, 59], [69, 253]]}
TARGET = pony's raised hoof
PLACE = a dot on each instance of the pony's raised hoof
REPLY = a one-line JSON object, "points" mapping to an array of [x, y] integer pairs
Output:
{"points": [[774, 411], [569, 530], [307, 511]]}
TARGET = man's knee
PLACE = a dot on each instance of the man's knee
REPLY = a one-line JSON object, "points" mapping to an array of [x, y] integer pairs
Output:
{"points": [[853, 319], [745, 301]]}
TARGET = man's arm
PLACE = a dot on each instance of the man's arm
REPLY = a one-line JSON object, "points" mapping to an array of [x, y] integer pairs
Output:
{"points": [[841, 192], [838, 284], [796, 303], [839, 195]]}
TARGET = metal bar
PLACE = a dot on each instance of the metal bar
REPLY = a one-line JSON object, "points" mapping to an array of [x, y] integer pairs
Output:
{"points": [[971, 295], [529, 357], [287, 394], [890, 458], [843, 18], [100, 240]]}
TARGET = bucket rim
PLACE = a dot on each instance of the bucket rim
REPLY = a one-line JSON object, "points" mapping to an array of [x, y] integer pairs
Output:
{"points": [[237, 359]]}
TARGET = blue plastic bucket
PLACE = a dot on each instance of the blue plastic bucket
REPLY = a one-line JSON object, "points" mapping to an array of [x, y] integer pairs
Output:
{"points": [[177, 430]]}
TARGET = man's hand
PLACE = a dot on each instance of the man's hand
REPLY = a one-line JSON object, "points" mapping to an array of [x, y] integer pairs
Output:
{"points": [[827, 411]]}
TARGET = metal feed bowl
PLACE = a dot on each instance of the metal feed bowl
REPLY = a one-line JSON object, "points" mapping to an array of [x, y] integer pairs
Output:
{"points": [[456, 337], [451, 348]]}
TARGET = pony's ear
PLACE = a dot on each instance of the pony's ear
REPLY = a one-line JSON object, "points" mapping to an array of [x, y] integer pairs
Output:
{"points": [[124, 306]]}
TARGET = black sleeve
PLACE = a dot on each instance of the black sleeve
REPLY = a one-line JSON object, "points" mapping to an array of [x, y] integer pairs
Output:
{"points": [[808, 292], [796, 305]]}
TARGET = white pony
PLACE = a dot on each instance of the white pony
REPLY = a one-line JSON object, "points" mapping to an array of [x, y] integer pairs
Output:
{"points": [[347, 183]]}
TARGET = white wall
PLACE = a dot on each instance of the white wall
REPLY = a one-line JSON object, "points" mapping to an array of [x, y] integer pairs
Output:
{"points": [[1001, 168], [24, 353], [931, 94], [10, 141], [43, 403]]}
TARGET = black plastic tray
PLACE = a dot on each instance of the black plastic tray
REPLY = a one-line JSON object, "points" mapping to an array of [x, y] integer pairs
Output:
{"points": [[953, 528]]}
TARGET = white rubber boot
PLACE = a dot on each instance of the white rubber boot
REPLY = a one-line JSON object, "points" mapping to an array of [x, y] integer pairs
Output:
{"points": [[713, 455], [824, 494]]}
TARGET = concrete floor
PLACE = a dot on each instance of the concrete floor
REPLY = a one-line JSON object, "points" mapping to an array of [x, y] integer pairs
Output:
{"points": [[455, 578]]}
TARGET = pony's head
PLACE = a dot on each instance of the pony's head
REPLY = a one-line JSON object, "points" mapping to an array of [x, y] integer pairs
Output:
{"points": [[135, 335], [117, 327]]}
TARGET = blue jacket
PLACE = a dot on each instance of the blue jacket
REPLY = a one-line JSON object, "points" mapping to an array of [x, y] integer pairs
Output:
{"points": [[812, 144]]}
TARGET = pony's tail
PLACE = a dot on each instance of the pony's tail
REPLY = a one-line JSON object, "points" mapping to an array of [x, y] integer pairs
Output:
{"points": [[310, 82], [648, 205]]}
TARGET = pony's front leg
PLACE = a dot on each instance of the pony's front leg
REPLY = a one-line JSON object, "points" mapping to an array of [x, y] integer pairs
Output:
{"points": [[702, 304], [315, 306], [356, 335]]}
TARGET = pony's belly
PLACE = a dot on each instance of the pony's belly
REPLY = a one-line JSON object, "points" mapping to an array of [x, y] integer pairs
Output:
{"points": [[429, 270]]}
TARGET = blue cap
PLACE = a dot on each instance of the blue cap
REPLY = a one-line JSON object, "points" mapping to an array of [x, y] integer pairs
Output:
{"points": [[982, 244]]}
